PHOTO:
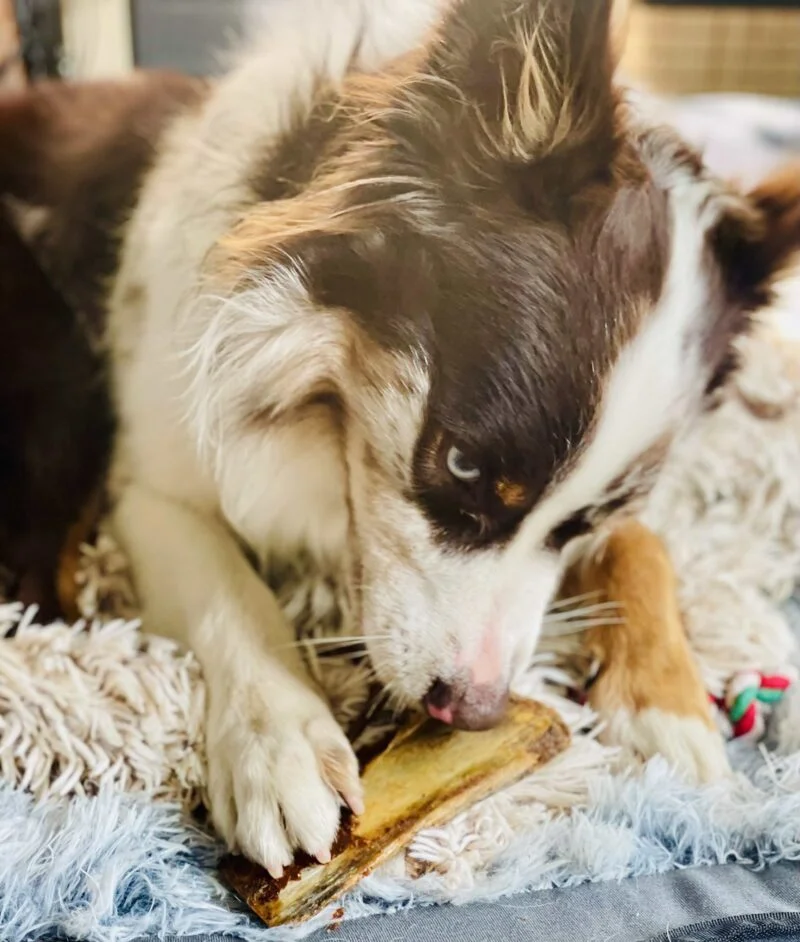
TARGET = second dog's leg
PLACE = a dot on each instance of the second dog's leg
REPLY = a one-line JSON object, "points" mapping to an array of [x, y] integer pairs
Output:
{"points": [[277, 759], [647, 688]]}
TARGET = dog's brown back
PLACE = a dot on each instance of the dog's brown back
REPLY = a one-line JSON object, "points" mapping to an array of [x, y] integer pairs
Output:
{"points": [[73, 156], [71, 159]]}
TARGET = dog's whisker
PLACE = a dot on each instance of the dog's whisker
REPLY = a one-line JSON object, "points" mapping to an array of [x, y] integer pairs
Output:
{"points": [[369, 671], [394, 700], [332, 641], [379, 701], [570, 614], [570, 628], [573, 599], [599, 620]]}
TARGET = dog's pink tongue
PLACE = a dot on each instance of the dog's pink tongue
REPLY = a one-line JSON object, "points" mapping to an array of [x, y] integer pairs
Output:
{"points": [[443, 714]]}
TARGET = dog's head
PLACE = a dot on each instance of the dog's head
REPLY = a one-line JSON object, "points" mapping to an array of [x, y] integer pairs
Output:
{"points": [[515, 293]]}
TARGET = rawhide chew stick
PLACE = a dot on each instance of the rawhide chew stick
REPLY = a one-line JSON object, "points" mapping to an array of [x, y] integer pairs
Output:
{"points": [[427, 775]]}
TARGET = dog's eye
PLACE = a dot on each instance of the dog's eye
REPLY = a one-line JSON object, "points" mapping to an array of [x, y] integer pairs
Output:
{"points": [[460, 466]]}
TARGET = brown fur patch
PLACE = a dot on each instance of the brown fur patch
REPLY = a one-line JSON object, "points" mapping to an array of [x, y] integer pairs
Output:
{"points": [[757, 239], [778, 197], [80, 151], [55, 422], [511, 493], [72, 157], [645, 662]]}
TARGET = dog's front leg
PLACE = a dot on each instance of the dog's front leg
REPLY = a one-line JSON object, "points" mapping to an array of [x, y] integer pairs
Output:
{"points": [[647, 688], [278, 761]]}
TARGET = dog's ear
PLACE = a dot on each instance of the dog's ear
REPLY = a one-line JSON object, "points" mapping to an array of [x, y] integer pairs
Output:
{"points": [[341, 258], [777, 198], [522, 85], [264, 348], [758, 236], [755, 239], [292, 308]]}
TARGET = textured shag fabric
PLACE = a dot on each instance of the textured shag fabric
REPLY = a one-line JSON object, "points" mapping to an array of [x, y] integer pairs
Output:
{"points": [[90, 706], [118, 868], [728, 506]]}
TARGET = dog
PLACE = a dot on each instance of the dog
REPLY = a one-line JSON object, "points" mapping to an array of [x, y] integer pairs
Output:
{"points": [[421, 297]]}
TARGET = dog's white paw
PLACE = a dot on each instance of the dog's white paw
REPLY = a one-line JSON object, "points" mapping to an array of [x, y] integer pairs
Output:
{"points": [[278, 769], [689, 744]]}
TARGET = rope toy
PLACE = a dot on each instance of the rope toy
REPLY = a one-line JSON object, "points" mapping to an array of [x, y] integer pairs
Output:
{"points": [[749, 698]]}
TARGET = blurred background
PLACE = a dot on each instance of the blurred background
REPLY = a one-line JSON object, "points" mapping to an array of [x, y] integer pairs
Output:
{"points": [[674, 46], [683, 47], [725, 72]]}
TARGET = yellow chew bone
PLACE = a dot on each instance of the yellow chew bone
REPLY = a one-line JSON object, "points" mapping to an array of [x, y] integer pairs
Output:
{"points": [[426, 777]]}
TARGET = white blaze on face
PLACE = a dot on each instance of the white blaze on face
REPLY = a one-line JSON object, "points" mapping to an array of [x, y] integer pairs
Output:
{"points": [[435, 614], [438, 611]]}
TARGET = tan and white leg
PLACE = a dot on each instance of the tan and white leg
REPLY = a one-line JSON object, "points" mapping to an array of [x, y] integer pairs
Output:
{"points": [[646, 687]]}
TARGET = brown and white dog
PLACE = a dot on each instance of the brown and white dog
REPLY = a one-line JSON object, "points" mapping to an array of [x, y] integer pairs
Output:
{"points": [[414, 293]]}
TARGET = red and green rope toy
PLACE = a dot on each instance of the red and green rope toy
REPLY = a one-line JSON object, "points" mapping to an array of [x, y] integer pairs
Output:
{"points": [[749, 695]]}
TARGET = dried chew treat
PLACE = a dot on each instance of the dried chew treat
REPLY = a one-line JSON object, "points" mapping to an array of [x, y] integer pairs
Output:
{"points": [[426, 777]]}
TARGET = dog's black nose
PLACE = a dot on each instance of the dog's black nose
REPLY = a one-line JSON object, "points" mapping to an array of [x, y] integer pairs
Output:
{"points": [[466, 706]]}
